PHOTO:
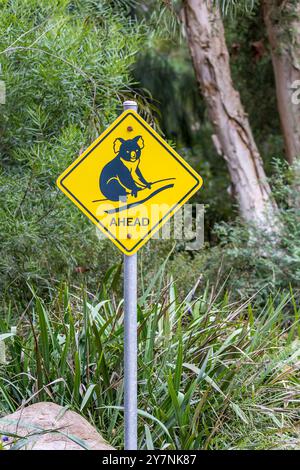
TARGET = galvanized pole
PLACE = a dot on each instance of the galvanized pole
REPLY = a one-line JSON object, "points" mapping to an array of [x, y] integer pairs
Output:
{"points": [[130, 340]]}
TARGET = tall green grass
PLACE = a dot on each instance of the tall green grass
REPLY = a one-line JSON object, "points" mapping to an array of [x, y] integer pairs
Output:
{"points": [[212, 374]]}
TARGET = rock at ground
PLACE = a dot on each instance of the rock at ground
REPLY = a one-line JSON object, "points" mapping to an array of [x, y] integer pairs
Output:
{"points": [[47, 426]]}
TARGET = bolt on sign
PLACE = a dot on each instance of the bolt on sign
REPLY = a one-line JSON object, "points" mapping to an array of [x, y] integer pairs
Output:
{"points": [[129, 182]]}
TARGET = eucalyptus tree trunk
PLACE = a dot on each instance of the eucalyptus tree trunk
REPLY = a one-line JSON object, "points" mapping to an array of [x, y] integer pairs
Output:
{"points": [[234, 139], [282, 19]]}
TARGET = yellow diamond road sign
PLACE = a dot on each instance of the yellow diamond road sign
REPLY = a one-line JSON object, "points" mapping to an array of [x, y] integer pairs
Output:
{"points": [[129, 182]]}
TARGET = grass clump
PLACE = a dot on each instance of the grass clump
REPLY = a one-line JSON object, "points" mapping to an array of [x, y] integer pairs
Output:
{"points": [[212, 374]]}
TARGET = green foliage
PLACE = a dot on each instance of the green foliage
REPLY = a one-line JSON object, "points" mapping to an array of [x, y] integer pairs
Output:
{"points": [[212, 374], [249, 260], [255, 260], [234, 7], [180, 100], [66, 65]]}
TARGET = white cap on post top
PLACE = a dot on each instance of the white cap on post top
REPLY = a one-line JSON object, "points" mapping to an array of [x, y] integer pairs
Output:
{"points": [[130, 105]]}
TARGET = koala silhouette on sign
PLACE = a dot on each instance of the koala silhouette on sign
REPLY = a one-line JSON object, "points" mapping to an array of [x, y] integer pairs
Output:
{"points": [[121, 176]]}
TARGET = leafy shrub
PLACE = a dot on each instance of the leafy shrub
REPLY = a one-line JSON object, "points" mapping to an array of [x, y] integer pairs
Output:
{"points": [[248, 259], [254, 258], [66, 67], [212, 374]]}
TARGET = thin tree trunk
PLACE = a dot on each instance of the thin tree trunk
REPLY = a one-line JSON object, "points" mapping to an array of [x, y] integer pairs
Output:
{"points": [[206, 40], [282, 19]]}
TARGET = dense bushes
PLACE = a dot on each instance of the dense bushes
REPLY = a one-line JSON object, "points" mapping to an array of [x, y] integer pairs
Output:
{"points": [[248, 259], [66, 68], [65, 71], [211, 374]]}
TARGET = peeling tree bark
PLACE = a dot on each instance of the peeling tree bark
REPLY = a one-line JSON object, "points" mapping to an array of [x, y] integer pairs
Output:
{"points": [[206, 40], [282, 20]]}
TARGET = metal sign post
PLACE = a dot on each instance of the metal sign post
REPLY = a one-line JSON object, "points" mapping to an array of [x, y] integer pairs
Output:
{"points": [[130, 340]]}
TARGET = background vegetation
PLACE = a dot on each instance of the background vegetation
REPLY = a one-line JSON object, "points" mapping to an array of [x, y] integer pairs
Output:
{"points": [[218, 327]]}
